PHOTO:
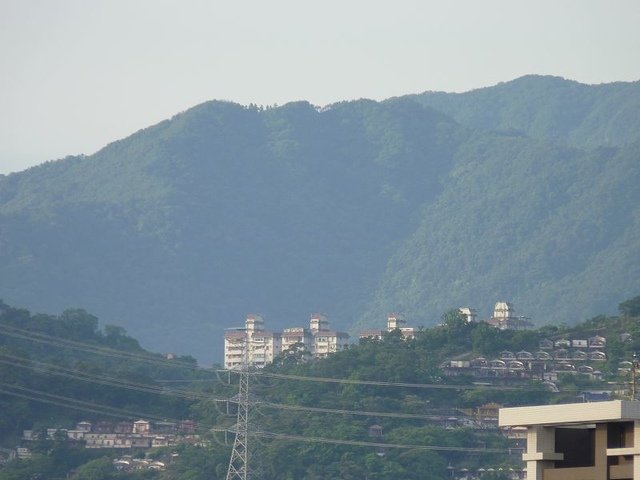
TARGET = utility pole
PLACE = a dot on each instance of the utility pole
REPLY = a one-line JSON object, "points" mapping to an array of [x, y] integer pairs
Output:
{"points": [[240, 461], [634, 365]]}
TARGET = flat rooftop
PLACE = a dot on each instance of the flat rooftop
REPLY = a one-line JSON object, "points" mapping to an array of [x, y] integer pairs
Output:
{"points": [[571, 413]]}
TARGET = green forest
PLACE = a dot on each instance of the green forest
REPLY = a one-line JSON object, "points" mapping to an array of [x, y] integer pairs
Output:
{"points": [[523, 192], [60, 370]]}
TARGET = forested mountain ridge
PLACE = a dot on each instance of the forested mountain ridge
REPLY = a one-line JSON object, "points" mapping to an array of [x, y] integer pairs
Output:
{"points": [[550, 109], [355, 209], [183, 228], [552, 223]]}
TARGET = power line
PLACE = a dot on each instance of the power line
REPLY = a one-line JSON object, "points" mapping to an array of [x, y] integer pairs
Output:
{"points": [[100, 379], [191, 395], [279, 436], [71, 403], [62, 404], [388, 384], [16, 332], [300, 438], [60, 342], [351, 412]]}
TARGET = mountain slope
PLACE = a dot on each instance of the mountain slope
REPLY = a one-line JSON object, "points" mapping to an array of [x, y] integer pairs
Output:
{"points": [[183, 228], [552, 229], [550, 109]]}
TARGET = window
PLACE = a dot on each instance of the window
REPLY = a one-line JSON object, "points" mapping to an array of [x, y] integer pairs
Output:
{"points": [[578, 446]]}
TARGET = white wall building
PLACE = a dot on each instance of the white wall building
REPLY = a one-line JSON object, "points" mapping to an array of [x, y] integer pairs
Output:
{"points": [[325, 341], [504, 318], [264, 346], [397, 321], [470, 314]]}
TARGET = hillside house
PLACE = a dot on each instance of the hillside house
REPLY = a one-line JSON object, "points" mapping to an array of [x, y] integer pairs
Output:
{"points": [[504, 318], [470, 314]]}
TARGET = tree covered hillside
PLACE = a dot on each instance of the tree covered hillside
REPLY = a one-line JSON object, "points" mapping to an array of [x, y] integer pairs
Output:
{"points": [[312, 418], [550, 109], [523, 223], [183, 228]]}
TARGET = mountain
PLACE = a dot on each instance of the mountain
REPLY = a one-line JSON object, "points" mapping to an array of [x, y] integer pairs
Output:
{"points": [[548, 108], [356, 209], [184, 228]]}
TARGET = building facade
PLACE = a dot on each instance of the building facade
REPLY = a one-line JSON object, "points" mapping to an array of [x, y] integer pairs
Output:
{"points": [[504, 318], [263, 346], [581, 441], [395, 321]]}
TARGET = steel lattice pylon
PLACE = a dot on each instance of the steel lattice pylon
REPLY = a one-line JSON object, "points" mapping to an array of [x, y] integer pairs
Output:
{"points": [[240, 461]]}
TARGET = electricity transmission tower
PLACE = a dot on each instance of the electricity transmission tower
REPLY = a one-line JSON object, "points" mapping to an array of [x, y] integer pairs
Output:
{"points": [[240, 463]]}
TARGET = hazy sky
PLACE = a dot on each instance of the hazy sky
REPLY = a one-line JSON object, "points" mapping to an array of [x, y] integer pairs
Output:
{"points": [[78, 74]]}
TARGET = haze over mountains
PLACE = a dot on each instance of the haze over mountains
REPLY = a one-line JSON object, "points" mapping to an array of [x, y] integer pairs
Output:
{"points": [[527, 191]]}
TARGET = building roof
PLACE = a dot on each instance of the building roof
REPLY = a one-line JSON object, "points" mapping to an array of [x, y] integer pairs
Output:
{"points": [[296, 333], [615, 410], [235, 334], [330, 333], [371, 333], [264, 333]]}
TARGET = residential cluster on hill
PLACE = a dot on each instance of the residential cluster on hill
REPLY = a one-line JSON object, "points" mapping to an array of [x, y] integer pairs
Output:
{"points": [[140, 434], [319, 340], [264, 346], [565, 355]]}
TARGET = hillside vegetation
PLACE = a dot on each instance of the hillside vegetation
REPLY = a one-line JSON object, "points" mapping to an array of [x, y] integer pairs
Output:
{"points": [[439, 414], [526, 192]]}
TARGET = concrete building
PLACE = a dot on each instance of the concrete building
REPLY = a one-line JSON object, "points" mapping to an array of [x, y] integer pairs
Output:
{"points": [[471, 314], [319, 340], [299, 336], [141, 427], [397, 321], [264, 346], [504, 318], [581, 441], [325, 341], [394, 321]]}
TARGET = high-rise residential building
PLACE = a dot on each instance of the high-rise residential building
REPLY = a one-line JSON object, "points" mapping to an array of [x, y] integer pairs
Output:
{"points": [[264, 346], [261, 346], [326, 341]]}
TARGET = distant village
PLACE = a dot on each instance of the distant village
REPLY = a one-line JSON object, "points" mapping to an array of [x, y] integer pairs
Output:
{"points": [[125, 436], [553, 357], [319, 340]]}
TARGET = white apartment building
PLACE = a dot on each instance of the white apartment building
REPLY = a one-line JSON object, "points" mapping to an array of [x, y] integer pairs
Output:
{"points": [[504, 318], [299, 336], [325, 341], [397, 321], [264, 346], [394, 321]]}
